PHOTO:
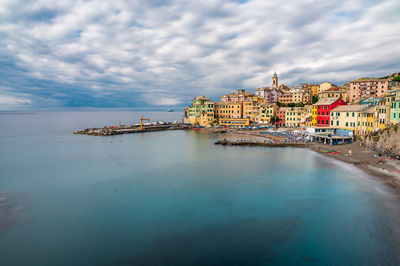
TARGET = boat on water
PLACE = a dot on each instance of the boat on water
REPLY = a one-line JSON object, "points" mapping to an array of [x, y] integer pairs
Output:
{"points": [[170, 110]]}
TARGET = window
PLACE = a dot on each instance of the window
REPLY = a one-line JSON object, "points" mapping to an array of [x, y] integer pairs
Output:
{"points": [[337, 123], [347, 124]]}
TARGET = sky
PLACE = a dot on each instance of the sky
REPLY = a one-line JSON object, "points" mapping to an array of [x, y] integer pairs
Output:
{"points": [[156, 53]]}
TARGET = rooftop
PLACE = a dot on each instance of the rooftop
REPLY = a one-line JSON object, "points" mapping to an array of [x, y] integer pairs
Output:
{"points": [[326, 101], [350, 108]]}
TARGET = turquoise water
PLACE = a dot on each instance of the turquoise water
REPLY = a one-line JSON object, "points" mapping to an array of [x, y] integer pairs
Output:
{"points": [[174, 198]]}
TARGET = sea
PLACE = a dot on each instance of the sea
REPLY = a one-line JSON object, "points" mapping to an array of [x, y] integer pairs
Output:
{"points": [[175, 198]]}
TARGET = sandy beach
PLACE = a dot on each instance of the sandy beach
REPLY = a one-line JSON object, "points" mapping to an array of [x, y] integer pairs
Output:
{"points": [[363, 158]]}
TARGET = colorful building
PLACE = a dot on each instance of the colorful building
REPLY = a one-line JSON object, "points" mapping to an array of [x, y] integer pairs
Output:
{"points": [[314, 88], [314, 114], [201, 112], [271, 95], [368, 87], [239, 96], [395, 108], [228, 109], [324, 107], [334, 93], [346, 116], [286, 97], [234, 121], [280, 114], [294, 116], [365, 122], [326, 86], [266, 113], [308, 115]]}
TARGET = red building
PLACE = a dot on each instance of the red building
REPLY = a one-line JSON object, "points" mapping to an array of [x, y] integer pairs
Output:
{"points": [[324, 107], [280, 114]]}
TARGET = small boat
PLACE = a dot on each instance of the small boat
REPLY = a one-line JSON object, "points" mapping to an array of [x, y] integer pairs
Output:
{"points": [[170, 110]]}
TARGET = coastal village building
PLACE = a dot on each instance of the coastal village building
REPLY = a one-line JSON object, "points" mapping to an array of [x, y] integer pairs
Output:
{"points": [[314, 88], [325, 86], [286, 97], [368, 87], [334, 93], [395, 108], [271, 95], [365, 122], [370, 101], [234, 121], [267, 112], [314, 114], [346, 116], [280, 114], [297, 96], [308, 115], [239, 96], [228, 110], [307, 96], [383, 115], [324, 107], [293, 116], [201, 112]]}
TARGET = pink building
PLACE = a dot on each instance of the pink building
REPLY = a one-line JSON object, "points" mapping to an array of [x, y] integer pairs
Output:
{"points": [[368, 87], [271, 95]]}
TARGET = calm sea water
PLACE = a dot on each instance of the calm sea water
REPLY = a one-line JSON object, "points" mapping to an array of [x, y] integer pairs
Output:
{"points": [[174, 198]]}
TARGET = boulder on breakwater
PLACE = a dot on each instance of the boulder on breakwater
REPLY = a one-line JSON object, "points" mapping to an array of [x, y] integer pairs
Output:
{"points": [[96, 131]]}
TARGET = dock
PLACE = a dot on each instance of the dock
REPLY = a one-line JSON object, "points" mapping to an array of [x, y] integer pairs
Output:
{"points": [[110, 131]]}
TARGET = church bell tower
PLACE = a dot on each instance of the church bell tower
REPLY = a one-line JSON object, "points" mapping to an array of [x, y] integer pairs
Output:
{"points": [[275, 81]]}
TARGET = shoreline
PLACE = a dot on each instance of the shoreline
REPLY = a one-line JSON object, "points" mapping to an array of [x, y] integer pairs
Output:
{"points": [[362, 158]]}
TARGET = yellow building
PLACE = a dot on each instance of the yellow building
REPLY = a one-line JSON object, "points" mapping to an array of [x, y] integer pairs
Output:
{"points": [[267, 112], [314, 88], [201, 112], [293, 116], [334, 93], [308, 116], [234, 121], [297, 96], [250, 110], [325, 86], [314, 112], [365, 122], [346, 116], [228, 109]]}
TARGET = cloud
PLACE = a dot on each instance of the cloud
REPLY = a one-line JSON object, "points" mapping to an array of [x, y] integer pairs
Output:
{"points": [[143, 53], [11, 101]]}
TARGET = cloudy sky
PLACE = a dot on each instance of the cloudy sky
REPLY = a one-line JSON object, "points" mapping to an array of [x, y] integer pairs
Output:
{"points": [[153, 53]]}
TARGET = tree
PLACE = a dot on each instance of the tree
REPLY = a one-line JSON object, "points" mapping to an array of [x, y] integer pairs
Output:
{"points": [[299, 104], [397, 78], [274, 119], [291, 104], [315, 99]]}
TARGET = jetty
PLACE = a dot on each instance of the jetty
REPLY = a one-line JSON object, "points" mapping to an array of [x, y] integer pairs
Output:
{"points": [[257, 143], [118, 130]]}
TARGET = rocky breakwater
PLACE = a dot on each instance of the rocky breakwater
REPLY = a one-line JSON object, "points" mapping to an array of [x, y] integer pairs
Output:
{"points": [[97, 131]]}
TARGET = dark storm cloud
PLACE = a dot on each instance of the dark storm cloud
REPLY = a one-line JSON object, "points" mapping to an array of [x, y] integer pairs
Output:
{"points": [[144, 53]]}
